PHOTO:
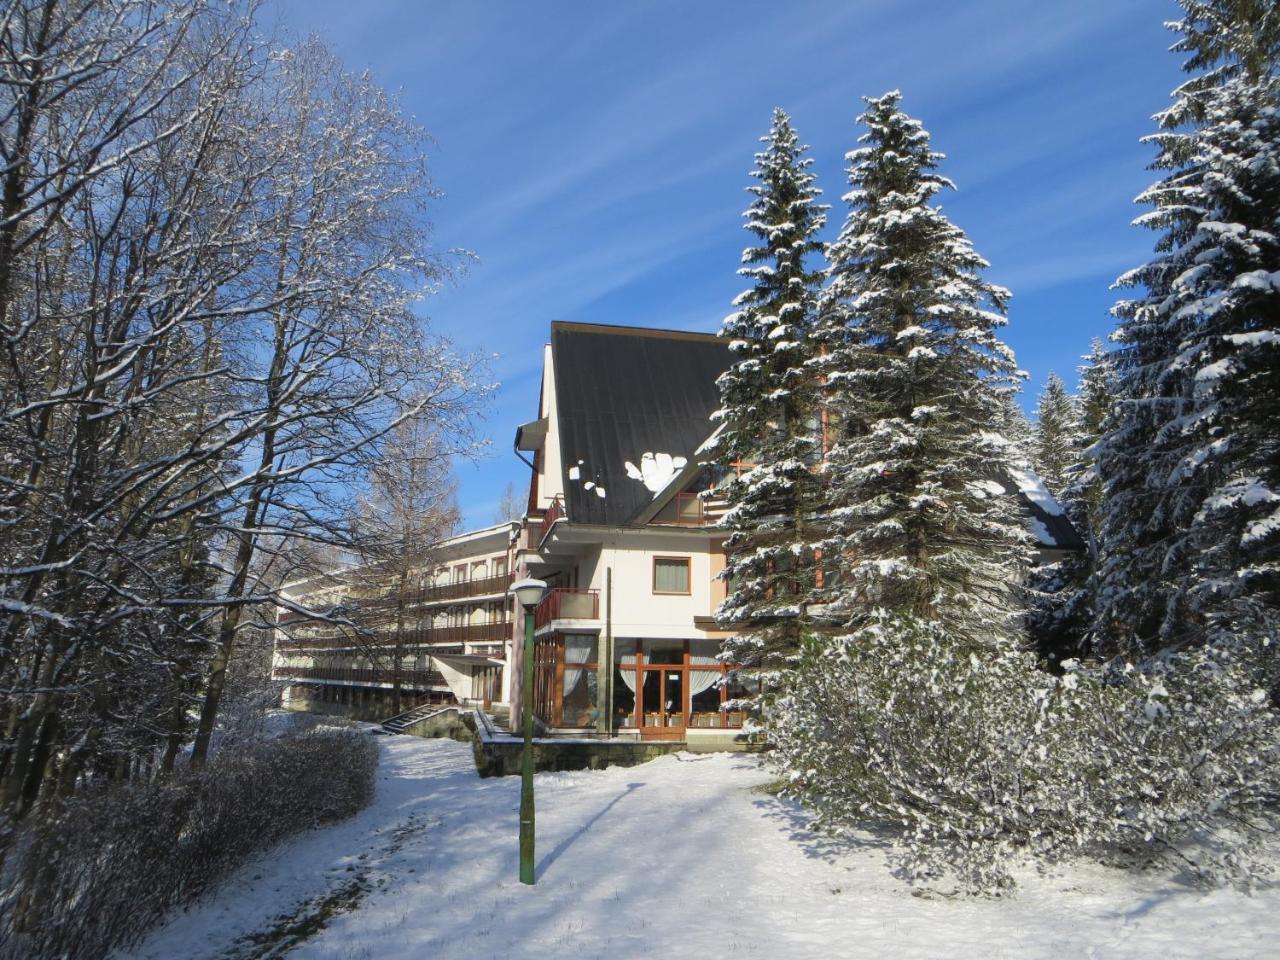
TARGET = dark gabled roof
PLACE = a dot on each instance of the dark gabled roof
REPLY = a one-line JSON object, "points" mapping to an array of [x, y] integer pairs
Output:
{"points": [[622, 392], [1049, 523], [1061, 535]]}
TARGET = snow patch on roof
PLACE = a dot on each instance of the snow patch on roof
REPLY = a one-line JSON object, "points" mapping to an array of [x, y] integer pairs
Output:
{"points": [[711, 441], [1033, 488], [1042, 534], [656, 470]]}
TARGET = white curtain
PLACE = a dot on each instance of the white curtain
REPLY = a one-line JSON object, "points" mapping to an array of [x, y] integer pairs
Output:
{"points": [[705, 679], [578, 648], [626, 661]]}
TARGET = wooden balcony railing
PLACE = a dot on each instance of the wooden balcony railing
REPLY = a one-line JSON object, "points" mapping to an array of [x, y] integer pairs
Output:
{"points": [[498, 631], [564, 603], [553, 513], [462, 589], [459, 590], [418, 679]]}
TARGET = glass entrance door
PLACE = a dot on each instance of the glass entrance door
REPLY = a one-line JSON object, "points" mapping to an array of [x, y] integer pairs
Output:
{"points": [[662, 703]]}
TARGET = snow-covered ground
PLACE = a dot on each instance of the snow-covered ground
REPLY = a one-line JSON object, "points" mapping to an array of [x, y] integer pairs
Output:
{"points": [[679, 858]]}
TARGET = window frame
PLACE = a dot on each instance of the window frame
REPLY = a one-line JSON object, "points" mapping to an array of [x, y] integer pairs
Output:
{"points": [[688, 577]]}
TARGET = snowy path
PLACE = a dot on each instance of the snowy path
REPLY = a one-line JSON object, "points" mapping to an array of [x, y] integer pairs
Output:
{"points": [[678, 858]]}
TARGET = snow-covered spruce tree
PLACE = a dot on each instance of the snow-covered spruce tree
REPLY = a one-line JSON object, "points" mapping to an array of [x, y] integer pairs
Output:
{"points": [[1190, 547], [915, 378], [1095, 401], [913, 708], [767, 435], [1018, 432], [1062, 618], [1056, 619], [1055, 441]]}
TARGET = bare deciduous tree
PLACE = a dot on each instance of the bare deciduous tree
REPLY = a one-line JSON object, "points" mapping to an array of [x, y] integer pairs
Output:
{"points": [[209, 254]]}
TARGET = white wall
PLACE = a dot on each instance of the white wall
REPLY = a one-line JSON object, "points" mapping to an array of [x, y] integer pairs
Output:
{"points": [[551, 476], [637, 610]]}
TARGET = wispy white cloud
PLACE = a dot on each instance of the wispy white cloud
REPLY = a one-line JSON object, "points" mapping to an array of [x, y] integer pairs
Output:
{"points": [[594, 154]]}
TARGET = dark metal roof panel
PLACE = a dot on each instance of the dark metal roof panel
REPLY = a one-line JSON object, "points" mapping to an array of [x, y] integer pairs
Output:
{"points": [[622, 392]]}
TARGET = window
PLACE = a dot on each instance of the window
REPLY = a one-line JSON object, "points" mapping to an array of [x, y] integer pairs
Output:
{"points": [[671, 575]]}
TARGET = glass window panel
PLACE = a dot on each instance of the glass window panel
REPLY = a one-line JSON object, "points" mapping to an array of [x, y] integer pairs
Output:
{"points": [[664, 651], [580, 697], [580, 647], [670, 575], [624, 698]]}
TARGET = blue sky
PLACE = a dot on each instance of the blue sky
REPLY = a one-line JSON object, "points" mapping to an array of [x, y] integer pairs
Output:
{"points": [[594, 155]]}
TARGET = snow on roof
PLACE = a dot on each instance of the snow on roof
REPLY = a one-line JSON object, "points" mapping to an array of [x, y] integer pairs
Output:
{"points": [[1033, 488], [656, 470]]}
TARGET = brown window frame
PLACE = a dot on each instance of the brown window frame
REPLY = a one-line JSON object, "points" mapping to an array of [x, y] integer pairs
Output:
{"points": [[688, 579]]}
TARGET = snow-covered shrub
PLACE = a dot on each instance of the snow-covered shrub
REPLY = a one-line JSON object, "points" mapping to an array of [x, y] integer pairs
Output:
{"points": [[975, 757], [114, 861], [1174, 759], [900, 724]]}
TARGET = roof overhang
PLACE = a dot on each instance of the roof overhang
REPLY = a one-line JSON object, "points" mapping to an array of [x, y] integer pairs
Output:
{"points": [[531, 436], [474, 659]]}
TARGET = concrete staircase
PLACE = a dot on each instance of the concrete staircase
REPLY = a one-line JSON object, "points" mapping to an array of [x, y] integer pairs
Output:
{"points": [[402, 721]]}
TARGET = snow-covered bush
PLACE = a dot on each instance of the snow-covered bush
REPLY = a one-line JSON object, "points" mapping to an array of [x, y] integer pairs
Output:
{"points": [[112, 862], [1174, 759], [900, 724], [976, 757]]}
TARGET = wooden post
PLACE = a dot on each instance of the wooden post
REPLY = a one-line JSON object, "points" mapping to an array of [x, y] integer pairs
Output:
{"points": [[604, 663]]}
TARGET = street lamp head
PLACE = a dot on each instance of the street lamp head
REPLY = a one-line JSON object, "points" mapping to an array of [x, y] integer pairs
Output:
{"points": [[529, 592]]}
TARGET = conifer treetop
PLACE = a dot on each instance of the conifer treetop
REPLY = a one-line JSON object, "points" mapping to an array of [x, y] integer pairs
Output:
{"points": [[766, 399], [907, 304], [786, 217], [1227, 40], [916, 384]]}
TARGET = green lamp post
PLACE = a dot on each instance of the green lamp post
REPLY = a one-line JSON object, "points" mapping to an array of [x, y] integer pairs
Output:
{"points": [[528, 594]]}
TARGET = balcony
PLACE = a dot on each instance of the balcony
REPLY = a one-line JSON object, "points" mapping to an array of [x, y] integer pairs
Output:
{"points": [[564, 603], [363, 676], [553, 513], [685, 510], [483, 586], [459, 590], [498, 631]]}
